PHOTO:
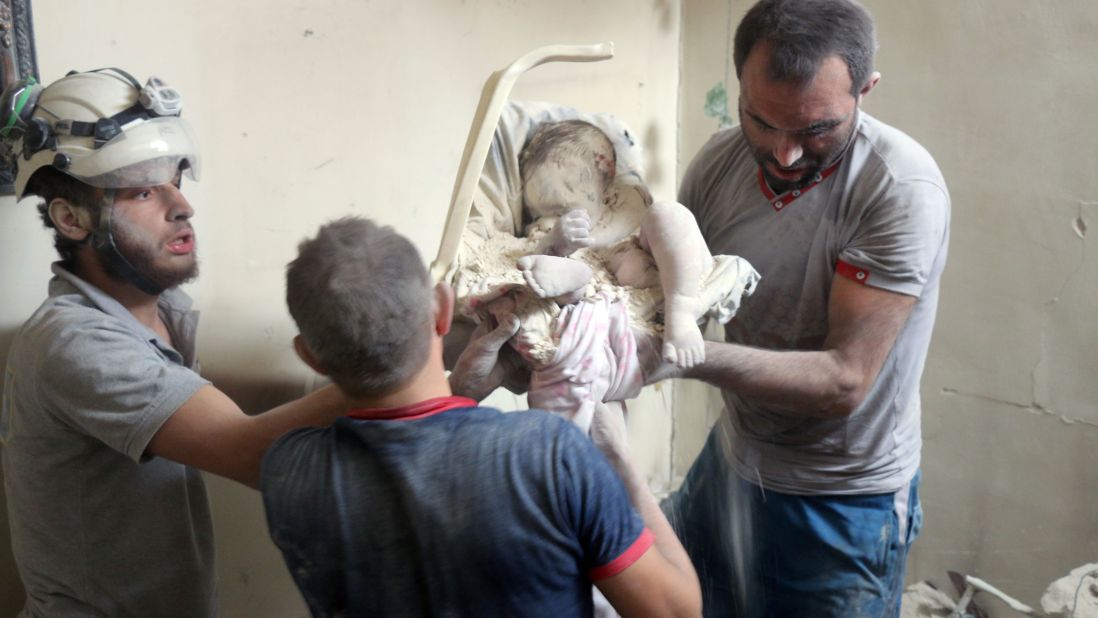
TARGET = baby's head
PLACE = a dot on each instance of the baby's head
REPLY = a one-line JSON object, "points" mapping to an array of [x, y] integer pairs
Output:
{"points": [[566, 165], [364, 304]]}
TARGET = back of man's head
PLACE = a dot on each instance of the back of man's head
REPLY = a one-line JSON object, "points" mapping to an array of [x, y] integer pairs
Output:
{"points": [[802, 33], [363, 302]]}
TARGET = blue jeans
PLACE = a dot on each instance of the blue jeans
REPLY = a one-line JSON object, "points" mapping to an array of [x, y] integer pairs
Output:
{"points": [[760, 553]]}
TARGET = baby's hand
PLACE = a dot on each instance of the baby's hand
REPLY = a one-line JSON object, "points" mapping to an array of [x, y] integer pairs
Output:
{"points": [[571, 233]]}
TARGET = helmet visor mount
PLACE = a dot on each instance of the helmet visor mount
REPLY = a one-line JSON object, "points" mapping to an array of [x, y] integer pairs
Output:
{"points": [[144, 154]]}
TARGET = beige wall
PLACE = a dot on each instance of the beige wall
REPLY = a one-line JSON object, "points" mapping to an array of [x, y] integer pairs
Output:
{"points": [[1002, 94], [308, 110]]}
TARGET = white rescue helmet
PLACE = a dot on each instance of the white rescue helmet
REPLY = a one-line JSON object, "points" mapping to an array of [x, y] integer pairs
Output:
{"points": [[101, 127]]}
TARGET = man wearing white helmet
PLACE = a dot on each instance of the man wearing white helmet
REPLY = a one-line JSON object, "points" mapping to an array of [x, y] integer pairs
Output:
{"points": [[105, 421]]}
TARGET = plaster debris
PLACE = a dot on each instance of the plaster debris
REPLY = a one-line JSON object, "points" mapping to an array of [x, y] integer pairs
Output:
{"points": [[1080, 227], [488, 273], [922, 600], [1073, 596]]}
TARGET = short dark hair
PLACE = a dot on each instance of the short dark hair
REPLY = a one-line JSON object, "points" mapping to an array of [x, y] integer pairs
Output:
{"points": [[49, 184], [363, 302], [805, 32]]}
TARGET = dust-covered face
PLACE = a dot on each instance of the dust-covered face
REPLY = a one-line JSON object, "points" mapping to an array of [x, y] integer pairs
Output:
{"points": [[152, 230], [796, 130]]}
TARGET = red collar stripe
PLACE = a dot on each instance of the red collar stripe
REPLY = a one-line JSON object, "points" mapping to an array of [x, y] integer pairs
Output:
{"points": [[416, 411], [779, 202], [852, 272]]}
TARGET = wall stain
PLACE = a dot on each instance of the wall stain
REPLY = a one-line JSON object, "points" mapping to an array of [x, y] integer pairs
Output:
{"points": [[1079, 225]]}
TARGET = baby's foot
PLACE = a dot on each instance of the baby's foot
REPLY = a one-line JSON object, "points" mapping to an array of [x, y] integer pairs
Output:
{"points": [[683, 344], [550, 276]]}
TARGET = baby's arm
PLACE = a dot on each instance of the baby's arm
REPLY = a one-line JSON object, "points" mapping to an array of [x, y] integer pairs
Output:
{"points": [[671, 234]]}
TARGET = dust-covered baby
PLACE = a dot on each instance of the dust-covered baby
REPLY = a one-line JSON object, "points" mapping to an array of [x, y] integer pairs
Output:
{"points": [[604, 281]]}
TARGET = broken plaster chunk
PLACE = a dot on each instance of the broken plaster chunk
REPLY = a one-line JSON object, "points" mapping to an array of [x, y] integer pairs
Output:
{"points": [[1076, 591], [921, 600]]}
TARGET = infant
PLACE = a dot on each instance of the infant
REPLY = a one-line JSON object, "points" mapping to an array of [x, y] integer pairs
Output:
{"points": [[567, 172], [596, 261]]}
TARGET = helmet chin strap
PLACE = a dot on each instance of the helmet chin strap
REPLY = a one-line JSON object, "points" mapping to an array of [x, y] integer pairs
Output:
{"points": [[103, 242]]}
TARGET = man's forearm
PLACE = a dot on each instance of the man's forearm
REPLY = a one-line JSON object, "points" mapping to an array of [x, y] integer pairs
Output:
{"points": [[210, 432], [666, 542], [817, 383], [608, 433]]}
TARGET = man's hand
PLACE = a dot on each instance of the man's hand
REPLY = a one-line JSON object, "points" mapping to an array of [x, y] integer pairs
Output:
{"points": [[481, 368]]}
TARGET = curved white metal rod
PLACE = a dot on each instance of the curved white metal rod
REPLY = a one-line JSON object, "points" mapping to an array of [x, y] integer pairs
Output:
{"points": [[492, 98]]}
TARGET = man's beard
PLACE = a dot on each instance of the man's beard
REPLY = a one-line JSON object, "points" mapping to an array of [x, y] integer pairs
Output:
{"points": [[813, 165], [141, 254], [779, 185]]}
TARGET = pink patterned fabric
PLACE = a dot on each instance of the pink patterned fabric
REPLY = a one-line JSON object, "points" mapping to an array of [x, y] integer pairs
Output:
{"points": [[596, 361]]}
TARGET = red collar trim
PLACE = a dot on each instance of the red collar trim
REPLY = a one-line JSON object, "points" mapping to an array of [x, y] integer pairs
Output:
{"points": [[778, 202], [423, 409]]}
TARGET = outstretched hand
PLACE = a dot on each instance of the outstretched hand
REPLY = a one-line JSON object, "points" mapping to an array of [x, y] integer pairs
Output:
{"points": [[481, 368]]}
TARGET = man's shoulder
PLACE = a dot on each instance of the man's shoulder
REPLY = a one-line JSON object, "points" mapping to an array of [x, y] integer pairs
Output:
{"points": [[292, 445], [64, 325], [724, 163], [515, 419], [725, 142], [533, 433], [535, 424], [900, 155], [295, 443]]}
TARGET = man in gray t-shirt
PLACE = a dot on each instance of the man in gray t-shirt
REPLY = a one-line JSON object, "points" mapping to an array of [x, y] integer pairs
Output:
{"points": [[105, 423], [804, 500]]}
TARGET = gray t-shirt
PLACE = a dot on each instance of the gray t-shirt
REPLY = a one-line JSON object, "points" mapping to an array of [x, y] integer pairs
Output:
{"points": [[98, 527], [881, 217]]}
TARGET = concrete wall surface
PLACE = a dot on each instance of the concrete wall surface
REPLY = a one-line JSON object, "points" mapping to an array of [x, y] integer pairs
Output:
{"points": [[1002, 94]]}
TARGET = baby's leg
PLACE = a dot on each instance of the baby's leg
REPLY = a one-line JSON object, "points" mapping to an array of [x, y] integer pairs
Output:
{"points": [[555, 277], [670, 232]]}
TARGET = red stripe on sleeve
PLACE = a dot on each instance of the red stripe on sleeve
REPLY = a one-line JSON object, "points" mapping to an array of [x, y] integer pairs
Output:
{"points": [[852, 272], [626, 559]]}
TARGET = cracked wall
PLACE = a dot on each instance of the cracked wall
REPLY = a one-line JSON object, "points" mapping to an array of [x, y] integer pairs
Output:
{"points": [[1001, 93]]}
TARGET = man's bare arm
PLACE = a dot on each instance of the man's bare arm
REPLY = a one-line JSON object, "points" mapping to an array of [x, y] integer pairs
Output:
{"points": [[863, 323], [662, 582], [210, 432]]}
